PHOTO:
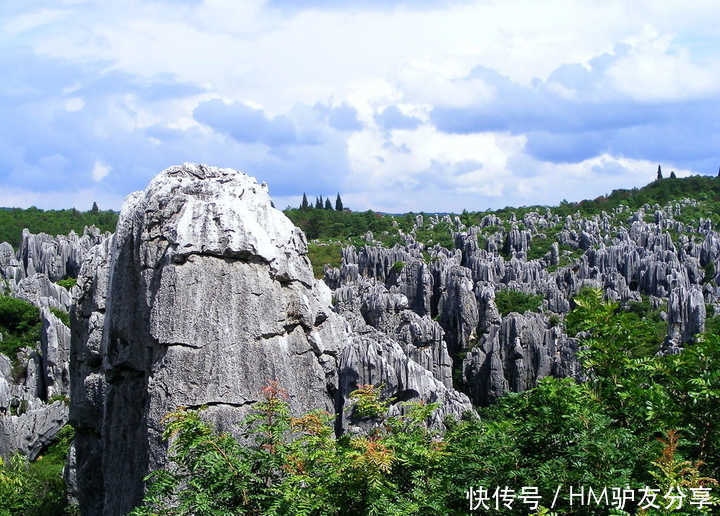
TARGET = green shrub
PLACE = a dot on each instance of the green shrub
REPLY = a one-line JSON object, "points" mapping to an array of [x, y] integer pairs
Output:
{"points": [[515, 301], [59, 397], [324, 254], [397, 267], [19, 409], [709, 272], [62, 315], [36, 488], [67, 283], [20, 325], [368, 404]]}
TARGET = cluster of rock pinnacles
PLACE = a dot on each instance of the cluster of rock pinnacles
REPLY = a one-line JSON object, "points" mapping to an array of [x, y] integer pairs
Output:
{"points": [[205, 292]]}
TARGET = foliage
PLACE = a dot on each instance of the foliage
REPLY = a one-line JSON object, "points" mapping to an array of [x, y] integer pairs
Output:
{"points": [[710, 273], [338, 225], [62, 315], [649, 393], [67, 283], [59, 397], [367, 402], [515, 301], [324, 254], [397, 267], [556, 433], [19, 324], [36, 488], [53, 222]]}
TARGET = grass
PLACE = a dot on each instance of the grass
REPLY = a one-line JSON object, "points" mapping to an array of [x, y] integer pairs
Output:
{"points": [[509, 301], [324, 254]]}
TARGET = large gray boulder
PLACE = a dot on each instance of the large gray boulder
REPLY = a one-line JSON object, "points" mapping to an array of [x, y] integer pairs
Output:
{"points": [[204, 294]]}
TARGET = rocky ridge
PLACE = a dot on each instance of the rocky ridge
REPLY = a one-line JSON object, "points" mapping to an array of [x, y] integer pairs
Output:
{"points": [[620, 252], [35, 388]]}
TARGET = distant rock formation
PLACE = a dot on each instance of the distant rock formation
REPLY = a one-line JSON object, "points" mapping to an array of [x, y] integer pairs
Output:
{"points": [[494, 354], [29, 418], [56, 256]]}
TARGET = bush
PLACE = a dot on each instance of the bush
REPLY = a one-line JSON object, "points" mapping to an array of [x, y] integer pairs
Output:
{"points": [[62, 315], [397, 267], [36, 488], [20, 325], [67, 283], [324, 254], [515, 301]]}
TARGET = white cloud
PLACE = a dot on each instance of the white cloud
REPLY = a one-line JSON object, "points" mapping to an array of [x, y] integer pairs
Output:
{"points": [[100, 170], [74, 104], [654, 71], [371, 59], [31, 20]]}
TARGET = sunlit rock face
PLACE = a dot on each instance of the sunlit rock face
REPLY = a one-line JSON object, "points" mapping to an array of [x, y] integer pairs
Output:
{"points": [[203, 295]]}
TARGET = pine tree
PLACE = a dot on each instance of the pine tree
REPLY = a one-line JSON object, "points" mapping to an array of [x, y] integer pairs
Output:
{"points": [[659, 176], [94, 208], [318, 203], [328, 204], [672, 175], [339, 204], [718, 172], [304, 205]]}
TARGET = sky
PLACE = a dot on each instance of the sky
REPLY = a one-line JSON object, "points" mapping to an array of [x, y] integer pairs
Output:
{"points": [[399, 106]]}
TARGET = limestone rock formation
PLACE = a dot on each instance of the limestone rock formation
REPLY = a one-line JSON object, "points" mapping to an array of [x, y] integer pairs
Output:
{"points": [[203, 295], [56, 256]]}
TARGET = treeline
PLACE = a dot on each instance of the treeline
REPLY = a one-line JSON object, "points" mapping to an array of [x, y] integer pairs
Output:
{"points": [[332, 224], [53, 222], [660, 191], [320, 204]]}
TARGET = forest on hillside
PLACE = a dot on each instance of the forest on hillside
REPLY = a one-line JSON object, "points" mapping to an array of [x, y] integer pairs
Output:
{"points": [[52, 222]]}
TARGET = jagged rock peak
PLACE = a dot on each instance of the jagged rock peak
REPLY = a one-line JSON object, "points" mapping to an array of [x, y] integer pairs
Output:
{"points": [[203, 295], [204, 210]]}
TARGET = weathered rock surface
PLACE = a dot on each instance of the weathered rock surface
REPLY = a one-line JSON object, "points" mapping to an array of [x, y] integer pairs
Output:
{"points": [[58, 256], [618, 252], [28, 423], [33, 431], [203, 295]]}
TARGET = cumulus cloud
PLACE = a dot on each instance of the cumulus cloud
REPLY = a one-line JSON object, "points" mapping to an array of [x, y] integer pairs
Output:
{"points": [[579, 112], [100, 170], [375, 101]]}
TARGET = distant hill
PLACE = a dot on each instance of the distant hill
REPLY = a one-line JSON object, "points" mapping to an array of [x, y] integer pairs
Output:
{"points": [[54, 222]]}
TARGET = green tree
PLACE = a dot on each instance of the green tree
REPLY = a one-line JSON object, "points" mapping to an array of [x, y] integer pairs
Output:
{"points": [[328, 205], [304, 205], [19, 325], [659, 173], [339, 203]]}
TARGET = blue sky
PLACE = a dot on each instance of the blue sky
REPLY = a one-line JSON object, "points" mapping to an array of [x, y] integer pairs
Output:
{"points": [[429, 105]]}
